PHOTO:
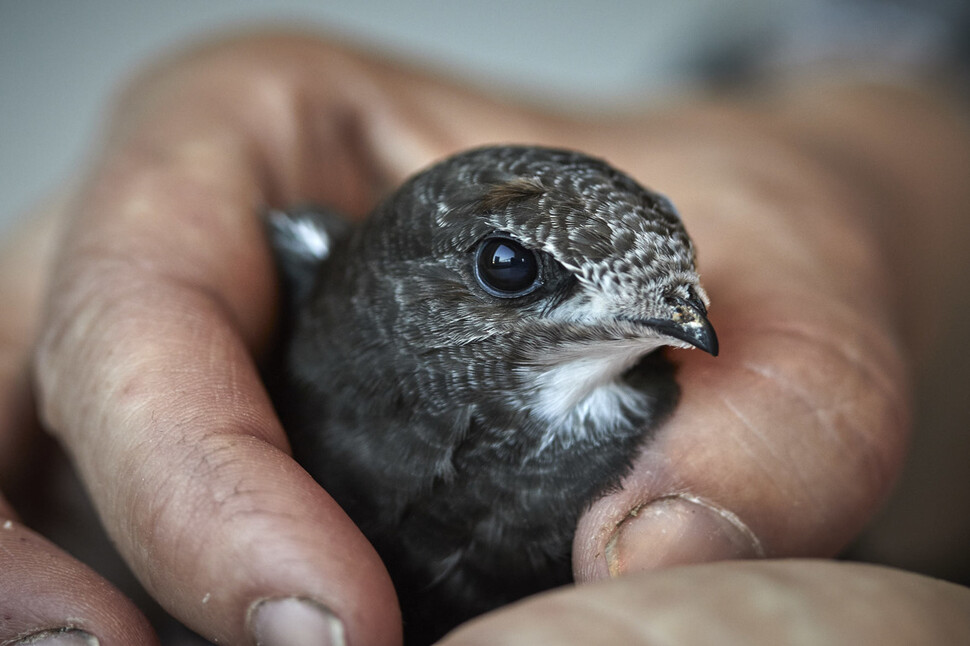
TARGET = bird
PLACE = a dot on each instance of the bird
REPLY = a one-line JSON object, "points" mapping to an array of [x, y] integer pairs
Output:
{"points": [[470, 366]]}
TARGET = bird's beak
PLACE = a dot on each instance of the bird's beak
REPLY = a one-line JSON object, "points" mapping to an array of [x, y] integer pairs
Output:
{"points": [[688, 323]]}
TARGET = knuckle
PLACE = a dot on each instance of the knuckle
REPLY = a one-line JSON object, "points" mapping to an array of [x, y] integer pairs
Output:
{"points": [[204, 491]]}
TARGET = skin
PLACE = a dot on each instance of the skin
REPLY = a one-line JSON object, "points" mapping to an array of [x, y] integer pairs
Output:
{"points": [[143, 299], [735, 603]]}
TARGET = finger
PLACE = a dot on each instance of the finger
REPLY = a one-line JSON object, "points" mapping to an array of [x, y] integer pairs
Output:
{"points": [[48, 597], [163, 294], [787, 442], [145, 369], [778, 602]]}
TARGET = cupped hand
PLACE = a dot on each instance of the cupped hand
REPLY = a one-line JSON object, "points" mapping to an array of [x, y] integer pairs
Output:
{"points": [[162, 298]]}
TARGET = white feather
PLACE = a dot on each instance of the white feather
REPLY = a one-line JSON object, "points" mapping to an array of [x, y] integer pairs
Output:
{"points": [[582, 397], [300, 234]]}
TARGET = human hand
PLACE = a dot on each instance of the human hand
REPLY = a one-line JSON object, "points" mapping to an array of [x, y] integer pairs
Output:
{"points": [[164, 292], [753, 603]]}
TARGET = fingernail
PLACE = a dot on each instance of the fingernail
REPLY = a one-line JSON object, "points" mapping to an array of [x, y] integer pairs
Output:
{"points": [[678, 530], [59, 637], [294, 621]]}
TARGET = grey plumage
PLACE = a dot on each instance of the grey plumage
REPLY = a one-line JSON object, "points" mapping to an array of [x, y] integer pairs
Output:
{"points": [[466, 369]]}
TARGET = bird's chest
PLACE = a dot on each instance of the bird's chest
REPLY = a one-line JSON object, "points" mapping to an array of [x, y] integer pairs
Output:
{"points": [[520, 469]]}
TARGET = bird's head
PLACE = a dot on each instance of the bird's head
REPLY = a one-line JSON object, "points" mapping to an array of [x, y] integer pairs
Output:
{"points": [[549, 265], [536, 275], [549, 247]]}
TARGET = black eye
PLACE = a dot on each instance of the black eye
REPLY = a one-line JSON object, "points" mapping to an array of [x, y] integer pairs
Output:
{"points": [[506, 269]]}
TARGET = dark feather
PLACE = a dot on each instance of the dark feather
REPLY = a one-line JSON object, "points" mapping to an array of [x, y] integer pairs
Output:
{"points": [[434, 411]]}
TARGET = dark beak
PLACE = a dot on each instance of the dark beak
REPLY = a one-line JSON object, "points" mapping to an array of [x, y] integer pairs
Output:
{"points": [[689, 324]]}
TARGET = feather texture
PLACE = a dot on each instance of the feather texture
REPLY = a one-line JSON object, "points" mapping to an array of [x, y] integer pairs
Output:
{"points": [[463, 429]]}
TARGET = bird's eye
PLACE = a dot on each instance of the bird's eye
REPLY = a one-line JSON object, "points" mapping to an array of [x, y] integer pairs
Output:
{"points": [[505, 268]]}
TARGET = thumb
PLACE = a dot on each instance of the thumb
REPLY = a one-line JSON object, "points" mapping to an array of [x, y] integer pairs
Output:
{"points": [[782, 446]]}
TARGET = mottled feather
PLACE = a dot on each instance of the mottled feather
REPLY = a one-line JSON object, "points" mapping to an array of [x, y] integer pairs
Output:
{"points": [[464, 431]]}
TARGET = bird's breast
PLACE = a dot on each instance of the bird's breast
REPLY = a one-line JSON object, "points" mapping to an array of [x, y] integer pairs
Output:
{"points": [[583, 398]]}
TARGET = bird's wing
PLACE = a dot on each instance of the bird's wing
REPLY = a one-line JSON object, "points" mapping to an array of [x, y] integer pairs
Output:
{"points": [[302, 238]]}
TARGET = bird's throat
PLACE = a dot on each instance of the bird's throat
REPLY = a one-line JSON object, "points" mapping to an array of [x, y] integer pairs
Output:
{"points": [[584, 396]]}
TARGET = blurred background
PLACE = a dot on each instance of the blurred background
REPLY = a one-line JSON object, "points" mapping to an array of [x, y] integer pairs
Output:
{"points": [[61, 63]]}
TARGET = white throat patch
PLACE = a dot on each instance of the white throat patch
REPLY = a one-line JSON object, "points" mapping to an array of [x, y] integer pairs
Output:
{"points": [[582, 397]]}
